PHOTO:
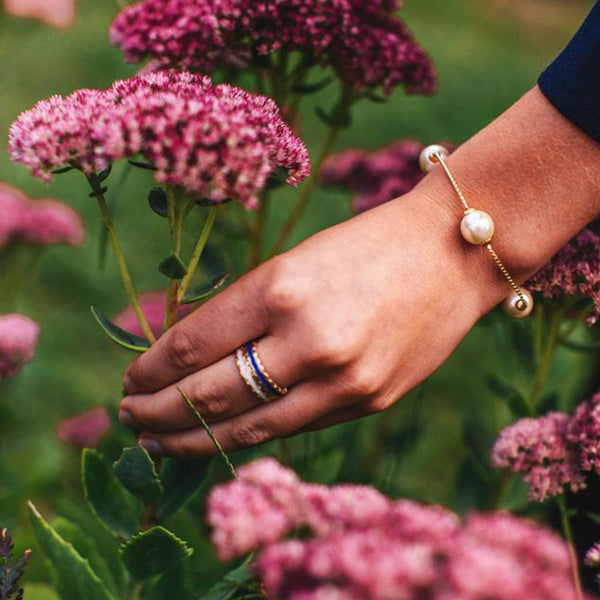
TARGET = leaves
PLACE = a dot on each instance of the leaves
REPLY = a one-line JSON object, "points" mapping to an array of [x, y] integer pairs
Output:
{"points": [[103, 175], [231, 583], [110, 502], [205, 290], [173, 267], [152, 552], [126, 340], [312, 88], [157, 200], [136, 471], [340, 121], [141, 165], [74, 577], [10, 574], [511, 395]]}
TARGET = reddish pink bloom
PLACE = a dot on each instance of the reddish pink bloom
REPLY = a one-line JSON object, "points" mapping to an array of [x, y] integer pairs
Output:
{"points": [[584, 433], [18, 341], [37, 222], [573, 271], [216, 142], [592, 556], [375, 177], [539, 449], [364, 41], [361, 545], [58, 13], [153, 306], [86, 430]]}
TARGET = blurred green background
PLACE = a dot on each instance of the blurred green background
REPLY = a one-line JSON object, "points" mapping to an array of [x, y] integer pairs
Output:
{"points": [[487, 53]]}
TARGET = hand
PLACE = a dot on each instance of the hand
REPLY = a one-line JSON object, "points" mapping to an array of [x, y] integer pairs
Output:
{"points": [[350, 321]]}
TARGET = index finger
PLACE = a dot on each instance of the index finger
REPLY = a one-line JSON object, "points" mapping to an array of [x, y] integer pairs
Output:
{"points": [[213, 331]]}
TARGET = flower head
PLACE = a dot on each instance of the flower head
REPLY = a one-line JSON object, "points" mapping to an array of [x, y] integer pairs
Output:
{"points": [[217, 142], [584, 433], [377, 177], [58, 13], [573, 271], [37, 222], [539, 449], [85, 430], [364, 41], [592, 556], [18, 341]]}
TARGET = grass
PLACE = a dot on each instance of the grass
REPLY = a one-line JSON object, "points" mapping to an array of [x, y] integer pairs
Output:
{"points": [[487, 55]]}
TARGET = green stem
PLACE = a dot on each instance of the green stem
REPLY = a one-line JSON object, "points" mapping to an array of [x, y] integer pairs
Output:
{"points": [[176, 211], [197, 253], [566, 526], [210, 433], [124, 271], [545, 360], [258, 232]]}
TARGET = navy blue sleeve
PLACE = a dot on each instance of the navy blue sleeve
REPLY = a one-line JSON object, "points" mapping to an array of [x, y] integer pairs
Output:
{"points": [[572, 82]]}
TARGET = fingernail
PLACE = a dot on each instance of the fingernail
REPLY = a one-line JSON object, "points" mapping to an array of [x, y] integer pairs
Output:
{"points": [[153, 447], [128, 387], [127, 419]]}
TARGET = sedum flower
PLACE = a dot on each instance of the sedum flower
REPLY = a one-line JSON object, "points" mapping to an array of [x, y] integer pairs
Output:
{"points": [[85, 430], [375, 177], [18, 341], [37, 222], [592, 556], [584, 433], [57, 13], [573, 271], [363, 40], [539, 449], [216, 142], [358, 544]]}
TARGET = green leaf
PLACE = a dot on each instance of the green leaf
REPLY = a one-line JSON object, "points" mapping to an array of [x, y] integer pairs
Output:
{"points": [[141, 165], [341, 121], [205, 290], [312, 88], [136, 471], [103, 175], [110, 502], [593, 517], [127, 340], [511, 395], [230, 584], [74, 576], [157, 199], [152, 552], [373, 97], [182, 479], [172, 267]]}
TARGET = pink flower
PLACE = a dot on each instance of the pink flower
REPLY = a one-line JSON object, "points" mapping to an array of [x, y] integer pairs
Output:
{"points": [[216, 142], [362, 40], [592, 556], [18, 341], [365, 546], [58, 13], [539, 449], [573, 271], [377, 177], [37, 222], [584, 433], [85, 430], [153, 306]]}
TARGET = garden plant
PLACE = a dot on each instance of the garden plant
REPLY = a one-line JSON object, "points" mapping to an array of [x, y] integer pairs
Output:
{"points": [[211, 128]]}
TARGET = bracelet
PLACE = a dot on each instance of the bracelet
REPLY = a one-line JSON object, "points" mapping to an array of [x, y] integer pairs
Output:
{"points": [[477, 228]]}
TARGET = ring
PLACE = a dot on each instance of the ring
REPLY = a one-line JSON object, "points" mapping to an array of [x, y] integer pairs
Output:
{"points": [[254, 374]]}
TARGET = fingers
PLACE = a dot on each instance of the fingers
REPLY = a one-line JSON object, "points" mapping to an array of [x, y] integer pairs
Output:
{"points": [[210, 333], [305, 403], [217, 391]]}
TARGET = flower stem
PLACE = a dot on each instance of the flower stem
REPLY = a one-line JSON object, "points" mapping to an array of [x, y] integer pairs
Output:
{"points": [[124, 271], [566, 526], [258, 232], [176, 213], [197, 253]]}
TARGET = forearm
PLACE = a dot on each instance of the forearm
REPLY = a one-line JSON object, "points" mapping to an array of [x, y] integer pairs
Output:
{"points": [[535, 173]]}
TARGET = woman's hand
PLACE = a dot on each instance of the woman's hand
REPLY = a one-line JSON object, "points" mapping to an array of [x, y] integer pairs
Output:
{"points": [[359, 314]]}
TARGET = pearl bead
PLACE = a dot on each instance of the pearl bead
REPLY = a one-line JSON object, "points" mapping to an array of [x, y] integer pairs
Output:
{"points": [[477, 227], [426, 160], [513, 305]]}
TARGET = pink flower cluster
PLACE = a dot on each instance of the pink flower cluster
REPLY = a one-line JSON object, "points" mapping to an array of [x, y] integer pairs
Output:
{"points": [[573, 271], [217, 142], [18, 341], [554, 451], [375, 177], [37, 222], [363, 40], [58, 13], [363, 545], [85, 430]]}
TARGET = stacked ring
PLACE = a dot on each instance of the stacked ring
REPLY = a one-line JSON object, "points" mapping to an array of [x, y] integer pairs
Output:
{"points": [[254, 374]]}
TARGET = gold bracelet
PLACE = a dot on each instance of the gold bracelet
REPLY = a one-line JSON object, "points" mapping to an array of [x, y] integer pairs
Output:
{"points": [[477, 227]]}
